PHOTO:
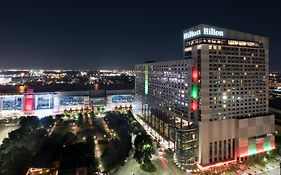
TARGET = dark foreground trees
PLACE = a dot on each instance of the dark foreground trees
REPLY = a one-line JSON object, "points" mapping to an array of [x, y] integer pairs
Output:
{"points": [[30, 123], [14, 161], [120, 145], [143, 151], [69, 138], [17, 150]]}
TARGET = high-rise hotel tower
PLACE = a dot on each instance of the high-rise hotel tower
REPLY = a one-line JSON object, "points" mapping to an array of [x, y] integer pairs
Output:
{"points": [[213, 104]]}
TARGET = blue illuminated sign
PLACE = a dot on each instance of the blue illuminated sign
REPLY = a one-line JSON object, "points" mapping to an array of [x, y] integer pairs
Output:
{"points": [[205, 31]]}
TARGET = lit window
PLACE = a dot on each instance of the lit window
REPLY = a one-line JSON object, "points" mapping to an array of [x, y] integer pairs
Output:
{"points": [[188, 49], [224, 96]]}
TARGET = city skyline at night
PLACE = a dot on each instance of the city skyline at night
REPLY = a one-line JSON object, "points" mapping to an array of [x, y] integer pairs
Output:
{"points": [[140, 87]]}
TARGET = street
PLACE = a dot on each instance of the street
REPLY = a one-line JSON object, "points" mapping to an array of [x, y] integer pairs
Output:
{"points": [[163, 167], [275, 171], [99, 135]]}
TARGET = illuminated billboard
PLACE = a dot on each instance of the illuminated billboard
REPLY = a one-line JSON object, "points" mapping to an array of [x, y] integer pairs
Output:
{"points": [[12, 103], [122, 98], [44, 101]]}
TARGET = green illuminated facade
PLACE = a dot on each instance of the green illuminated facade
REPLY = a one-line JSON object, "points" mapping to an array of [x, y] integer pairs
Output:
{"points": [[267, 144], [252, 148], [146, 80], [194, 92]]}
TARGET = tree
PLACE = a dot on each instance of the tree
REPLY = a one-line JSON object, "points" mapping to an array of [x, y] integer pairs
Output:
{"points": [[143, 148], [80, 120], [16, 157], [92, 113], [30, 123], [69, 138], [18, 133], [47, 121], [110, 158]]}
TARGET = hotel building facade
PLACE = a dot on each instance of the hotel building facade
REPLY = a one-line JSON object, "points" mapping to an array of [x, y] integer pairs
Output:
{"points": [[213, 103]]}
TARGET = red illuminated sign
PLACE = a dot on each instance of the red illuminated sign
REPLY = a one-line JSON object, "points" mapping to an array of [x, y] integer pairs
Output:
{"points": [[28, 104], [194, 73], [194, 105]]}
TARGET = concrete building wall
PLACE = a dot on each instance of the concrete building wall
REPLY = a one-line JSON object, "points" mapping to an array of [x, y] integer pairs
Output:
{"points": [[254, 131], [204, 83], [216, 132]]}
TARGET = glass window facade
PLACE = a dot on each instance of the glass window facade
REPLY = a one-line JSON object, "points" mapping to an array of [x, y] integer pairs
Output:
{"points": [[69, 101]]}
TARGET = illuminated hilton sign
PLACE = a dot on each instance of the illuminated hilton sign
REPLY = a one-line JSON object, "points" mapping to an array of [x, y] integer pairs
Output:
{"points": [[206, 31]]}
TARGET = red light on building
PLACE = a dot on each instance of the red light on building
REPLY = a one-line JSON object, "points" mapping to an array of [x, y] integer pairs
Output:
{"points": [[194, 73], [28, 104], [260, 148], [29, 91], [205, 167], [194, 105]]}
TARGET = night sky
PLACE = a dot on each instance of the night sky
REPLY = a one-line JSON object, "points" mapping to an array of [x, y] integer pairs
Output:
{"points": [[118, 34]]}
